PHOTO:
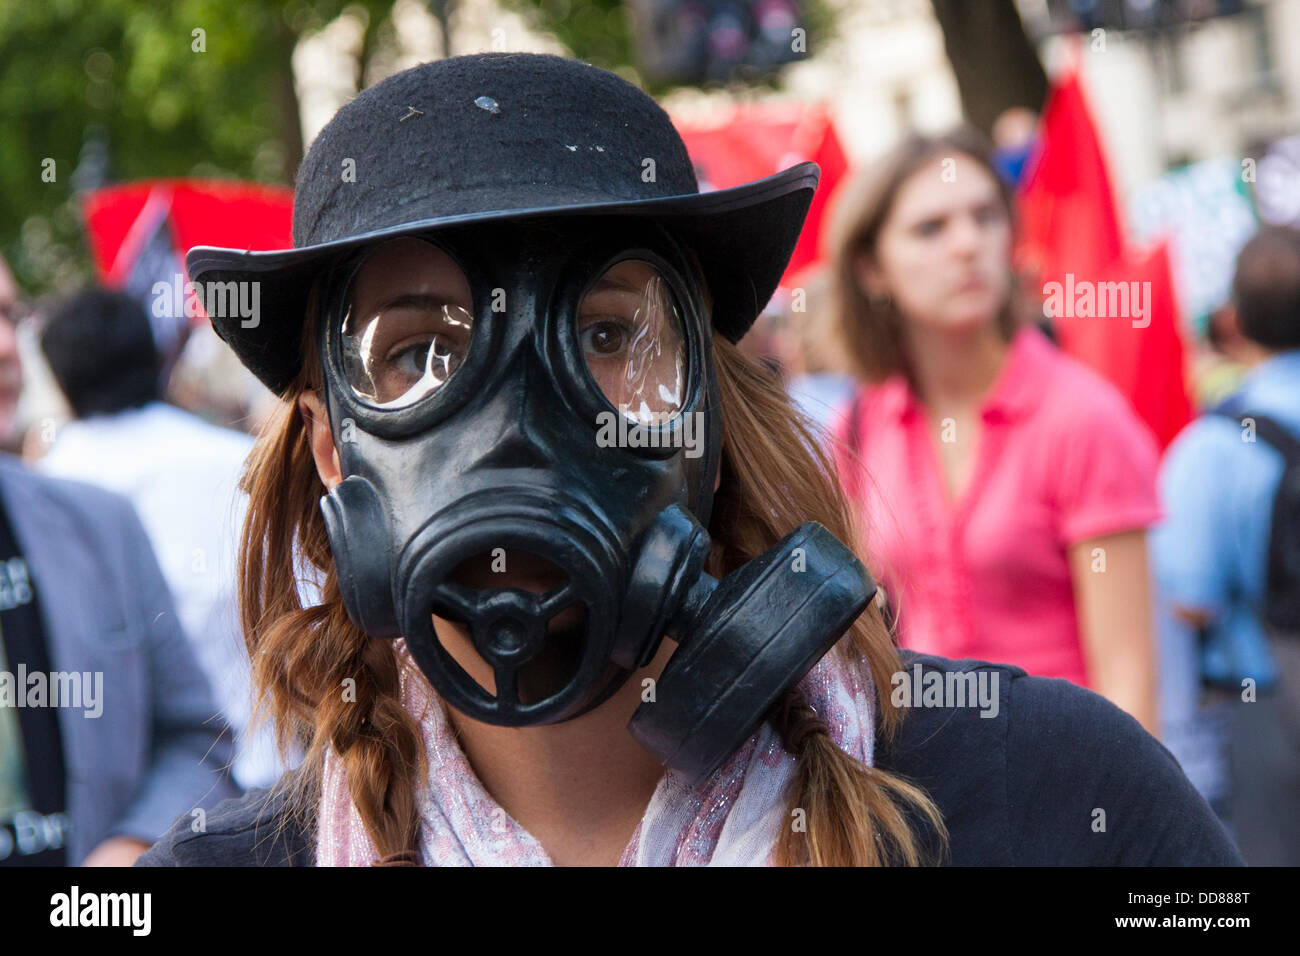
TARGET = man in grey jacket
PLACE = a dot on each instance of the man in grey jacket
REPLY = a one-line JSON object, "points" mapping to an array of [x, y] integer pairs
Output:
{"points": [[107, 728]]}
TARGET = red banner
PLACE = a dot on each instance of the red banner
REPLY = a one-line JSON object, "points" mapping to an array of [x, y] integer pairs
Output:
{"points": [[139, 232], [760, 140], [1072, 246]]}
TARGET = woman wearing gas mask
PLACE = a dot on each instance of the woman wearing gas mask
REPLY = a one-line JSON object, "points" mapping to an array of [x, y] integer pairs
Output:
{"points": [[584, 599]]}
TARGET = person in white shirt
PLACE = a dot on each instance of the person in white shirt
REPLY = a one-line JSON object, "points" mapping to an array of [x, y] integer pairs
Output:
{"points": [[180, 472]]}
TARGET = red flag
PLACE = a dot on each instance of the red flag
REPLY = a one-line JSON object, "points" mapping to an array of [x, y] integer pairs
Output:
{"points": [[1125, 325], [1068, 219], [139, 233], [135, 226], [1072, 246], [759, 140]]}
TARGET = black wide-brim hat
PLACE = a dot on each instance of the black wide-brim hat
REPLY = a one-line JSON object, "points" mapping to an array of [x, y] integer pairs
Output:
{"points": [[499, 136]]}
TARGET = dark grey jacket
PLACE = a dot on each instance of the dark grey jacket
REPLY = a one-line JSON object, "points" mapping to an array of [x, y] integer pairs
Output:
{"points": [[158, 747], [1059, 776]]}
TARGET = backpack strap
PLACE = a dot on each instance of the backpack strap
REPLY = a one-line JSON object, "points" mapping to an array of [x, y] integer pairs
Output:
{"points": [[1281, 610], [1271, 431], [1280, 437]]}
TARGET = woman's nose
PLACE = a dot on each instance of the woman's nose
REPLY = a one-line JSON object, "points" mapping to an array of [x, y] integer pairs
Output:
{"points": [[966, 237]]}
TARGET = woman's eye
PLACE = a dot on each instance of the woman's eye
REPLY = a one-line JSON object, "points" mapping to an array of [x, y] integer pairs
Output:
{"points": [[412, 360], [606, 337], [930, 227]]}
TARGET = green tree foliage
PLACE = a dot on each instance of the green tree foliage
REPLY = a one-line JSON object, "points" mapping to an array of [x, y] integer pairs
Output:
{"points": [[161, 98], [131, 83]]}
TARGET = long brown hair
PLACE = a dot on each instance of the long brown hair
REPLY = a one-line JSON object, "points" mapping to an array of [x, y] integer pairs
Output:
{"points": [[872, 330], [774, 477]]}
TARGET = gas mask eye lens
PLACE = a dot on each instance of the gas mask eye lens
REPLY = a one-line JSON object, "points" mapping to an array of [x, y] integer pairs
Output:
{"points": [[408, 323], [631, 340]]}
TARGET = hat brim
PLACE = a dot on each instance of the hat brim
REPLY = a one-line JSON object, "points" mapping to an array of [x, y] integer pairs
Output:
{"points": [[743, 237]]}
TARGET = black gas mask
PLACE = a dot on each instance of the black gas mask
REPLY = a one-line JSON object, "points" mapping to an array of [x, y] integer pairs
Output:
{"points": [[535, 401]]}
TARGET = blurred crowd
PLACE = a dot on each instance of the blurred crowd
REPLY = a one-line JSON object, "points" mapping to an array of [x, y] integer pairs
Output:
{"points": [[1012, 504], [1015, 507], [120, 538]]}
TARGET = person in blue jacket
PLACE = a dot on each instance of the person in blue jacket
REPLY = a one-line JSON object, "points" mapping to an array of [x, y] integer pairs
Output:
{"points": [[1238, 707]]}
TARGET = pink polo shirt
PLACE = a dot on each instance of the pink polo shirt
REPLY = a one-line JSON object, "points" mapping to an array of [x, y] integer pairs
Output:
{"points": [[1061, 458]]}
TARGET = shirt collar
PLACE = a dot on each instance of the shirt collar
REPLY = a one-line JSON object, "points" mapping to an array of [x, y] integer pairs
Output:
{"points": [[1019, 384], [897, 400], [1281, 369]]}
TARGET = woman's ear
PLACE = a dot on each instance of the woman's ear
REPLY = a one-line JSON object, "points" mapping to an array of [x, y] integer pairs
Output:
{"points": [[867, 275], [317, 423]]}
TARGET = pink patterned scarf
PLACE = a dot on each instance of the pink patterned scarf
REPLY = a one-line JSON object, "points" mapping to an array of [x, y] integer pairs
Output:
{"points": [[732, 819]]}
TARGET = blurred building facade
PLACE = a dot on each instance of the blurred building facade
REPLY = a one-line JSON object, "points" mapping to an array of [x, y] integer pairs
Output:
{"points": [[1201, 90], [1195, 90]]}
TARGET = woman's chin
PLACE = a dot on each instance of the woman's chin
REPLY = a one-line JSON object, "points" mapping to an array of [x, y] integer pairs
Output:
{"points": [[965, 323]]}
